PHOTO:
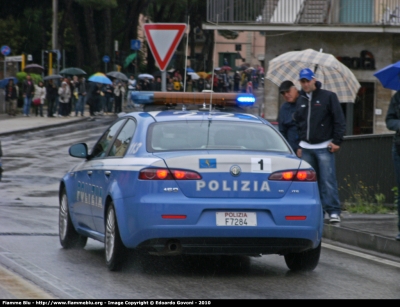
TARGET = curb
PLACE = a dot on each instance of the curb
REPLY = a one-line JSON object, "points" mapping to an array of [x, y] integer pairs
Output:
{"points": [[362, 239]]}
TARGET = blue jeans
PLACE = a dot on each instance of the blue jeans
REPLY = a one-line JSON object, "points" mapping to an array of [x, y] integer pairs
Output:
{"points": [[79, 105], [109, 104], [396, 160], [56, 106], [323, 163], [27, 105]]}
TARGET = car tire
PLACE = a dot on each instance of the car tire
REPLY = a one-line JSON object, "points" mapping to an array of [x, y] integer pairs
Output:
{"points": [[304, 261], [69, 237], [114, 248]]}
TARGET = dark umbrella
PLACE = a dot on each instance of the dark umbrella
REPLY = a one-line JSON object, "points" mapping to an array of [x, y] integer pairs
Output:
{"points": [[52, 77], [34, 69], [73, 71], [117, 75], [4, 82]]}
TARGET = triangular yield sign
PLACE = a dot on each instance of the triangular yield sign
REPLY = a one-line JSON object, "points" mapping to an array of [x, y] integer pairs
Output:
{"points": [[163, 38]]}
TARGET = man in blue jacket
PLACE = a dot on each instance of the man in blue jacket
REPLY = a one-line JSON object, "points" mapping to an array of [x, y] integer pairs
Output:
{"points": [[321, 126], [287, 125]]}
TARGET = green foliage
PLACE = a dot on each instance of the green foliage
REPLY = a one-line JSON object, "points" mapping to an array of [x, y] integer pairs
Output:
{"points": [[364, 199], [98, 4], [395, 190], [11, 34], [21, 76]]}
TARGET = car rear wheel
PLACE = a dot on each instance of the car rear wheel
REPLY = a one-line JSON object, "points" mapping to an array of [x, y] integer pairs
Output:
{"points": [[69, 237], [304, 261], [114, 248]]}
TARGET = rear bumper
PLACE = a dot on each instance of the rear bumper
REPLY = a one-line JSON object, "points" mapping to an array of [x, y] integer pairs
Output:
{"points": [[225, 246], [142, 226]]}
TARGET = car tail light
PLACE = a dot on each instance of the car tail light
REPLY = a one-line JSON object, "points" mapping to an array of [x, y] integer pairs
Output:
{"points": [[302, 175], [295, 217], [173, 216], [167, 174]]}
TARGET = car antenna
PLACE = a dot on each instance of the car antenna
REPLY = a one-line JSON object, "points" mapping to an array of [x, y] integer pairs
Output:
{"points": [[212, 77]]}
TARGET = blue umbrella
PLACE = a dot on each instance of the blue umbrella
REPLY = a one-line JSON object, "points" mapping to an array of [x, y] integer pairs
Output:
{"points": [[100, 78], [390, 76], [4, 82]]}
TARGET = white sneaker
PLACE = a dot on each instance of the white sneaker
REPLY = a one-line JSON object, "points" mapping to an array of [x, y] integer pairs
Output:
{"points": [[334, 218]]}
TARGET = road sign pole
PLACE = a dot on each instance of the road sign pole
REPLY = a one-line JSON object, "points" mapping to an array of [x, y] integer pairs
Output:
{"points": [[5, 68], [163, 81], [137, 67]]}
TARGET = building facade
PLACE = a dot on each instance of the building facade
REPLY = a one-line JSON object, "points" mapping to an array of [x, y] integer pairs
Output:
{"points": [[363, 34]]}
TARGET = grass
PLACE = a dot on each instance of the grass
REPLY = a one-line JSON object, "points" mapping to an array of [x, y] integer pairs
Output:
{"points": [[363, 199]]}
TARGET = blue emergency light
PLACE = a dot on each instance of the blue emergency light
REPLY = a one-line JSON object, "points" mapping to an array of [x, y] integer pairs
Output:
{"points": [[245, 99], [142, 97]]}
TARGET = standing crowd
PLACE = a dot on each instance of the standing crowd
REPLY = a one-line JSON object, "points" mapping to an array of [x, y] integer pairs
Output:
{"points": [[65, 97]]}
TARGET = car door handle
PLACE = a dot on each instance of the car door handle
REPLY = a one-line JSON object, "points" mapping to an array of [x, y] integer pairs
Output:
{"points": [[107, 173], [90, 173]]}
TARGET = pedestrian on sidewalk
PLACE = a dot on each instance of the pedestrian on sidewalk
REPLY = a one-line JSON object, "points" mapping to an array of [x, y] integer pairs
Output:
{"points": [[108, 90], [93, 97], [80, 104], [119, 91], [321, 127], [40, 94], [11, 98], [393, 123], [51, 97], [74, 85], [64, 93], [286, 123], [28, 90]]}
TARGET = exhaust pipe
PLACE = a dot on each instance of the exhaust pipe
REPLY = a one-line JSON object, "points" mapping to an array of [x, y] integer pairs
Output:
{"points": [[173, 247]]}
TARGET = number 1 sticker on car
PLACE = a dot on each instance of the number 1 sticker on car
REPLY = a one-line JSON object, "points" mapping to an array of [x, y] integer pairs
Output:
{"points": [[261, 165]]}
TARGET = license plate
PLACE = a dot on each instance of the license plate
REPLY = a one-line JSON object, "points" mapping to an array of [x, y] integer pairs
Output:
{"points": [[236, 219]]}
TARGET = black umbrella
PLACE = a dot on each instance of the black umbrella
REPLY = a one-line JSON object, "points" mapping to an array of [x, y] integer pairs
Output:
{"points": [[117, 75], [52, 77], [72, 71], [34, 69]]}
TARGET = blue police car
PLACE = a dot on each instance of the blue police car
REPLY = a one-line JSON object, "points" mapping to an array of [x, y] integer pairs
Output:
{"points": [[181, 181]]}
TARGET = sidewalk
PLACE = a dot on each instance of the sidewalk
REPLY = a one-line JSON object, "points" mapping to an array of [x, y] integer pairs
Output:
{"points": [[375, 232]]}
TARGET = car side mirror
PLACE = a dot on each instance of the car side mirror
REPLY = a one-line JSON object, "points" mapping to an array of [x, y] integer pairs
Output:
{"points": [[79, 150]]}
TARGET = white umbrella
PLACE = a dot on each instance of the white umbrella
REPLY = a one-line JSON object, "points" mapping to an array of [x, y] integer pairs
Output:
{"points": [[193, 75], [148, 76], [333, 75]]}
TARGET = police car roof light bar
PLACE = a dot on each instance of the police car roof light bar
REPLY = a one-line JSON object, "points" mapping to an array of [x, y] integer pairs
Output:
{"points": [[194, 98]]}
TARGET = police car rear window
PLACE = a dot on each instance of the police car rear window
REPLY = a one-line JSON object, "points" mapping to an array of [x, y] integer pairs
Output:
{"points": [[209, 135]]}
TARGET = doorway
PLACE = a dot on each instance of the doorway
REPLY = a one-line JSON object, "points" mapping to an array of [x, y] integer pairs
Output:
{"points": [[364, 109]]}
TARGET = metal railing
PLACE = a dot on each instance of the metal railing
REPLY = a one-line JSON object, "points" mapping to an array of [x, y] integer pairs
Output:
{"points": [[332, 12], [365, 164]]}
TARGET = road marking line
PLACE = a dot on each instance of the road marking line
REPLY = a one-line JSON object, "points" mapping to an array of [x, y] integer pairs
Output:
{"points": [[46, 276], [361, 255], [19, 287]]}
